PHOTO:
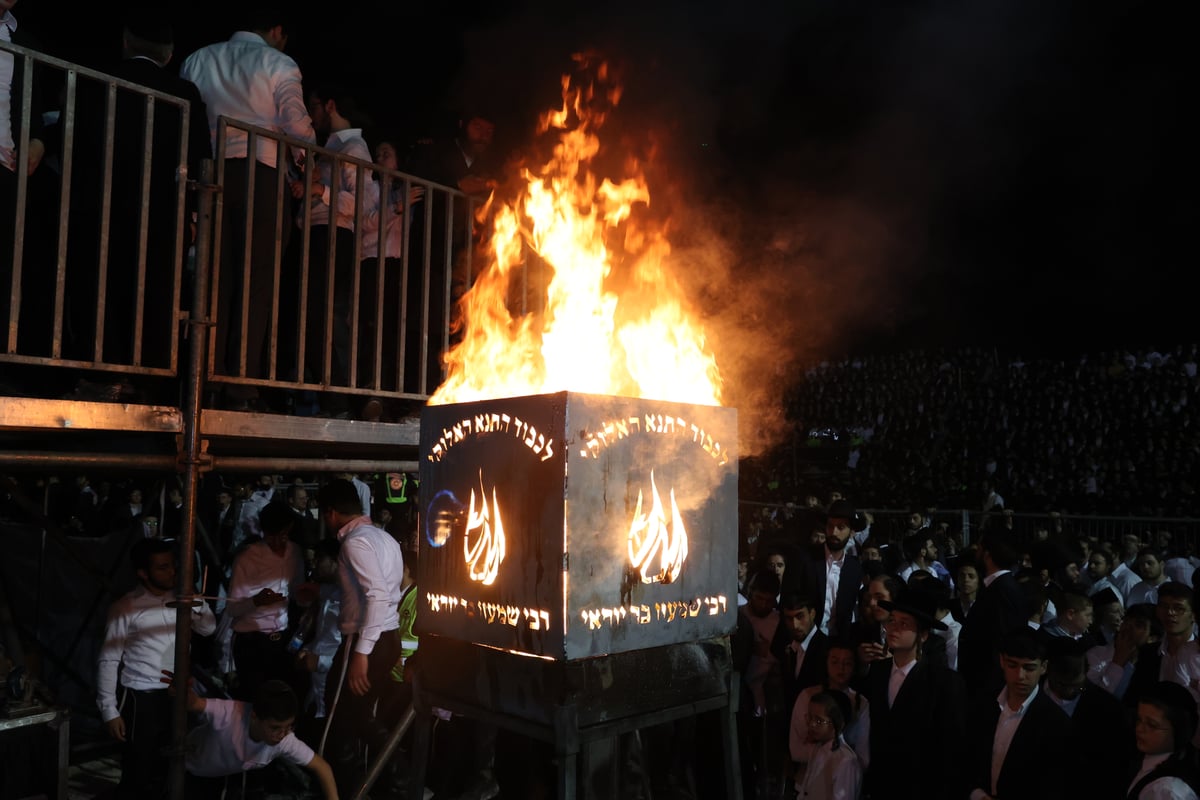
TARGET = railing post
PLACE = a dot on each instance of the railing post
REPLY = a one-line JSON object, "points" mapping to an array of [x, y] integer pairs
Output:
{"points": [[198, 337]]}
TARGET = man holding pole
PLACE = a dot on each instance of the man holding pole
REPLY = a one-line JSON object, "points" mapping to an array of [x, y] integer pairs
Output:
{"points": [[371, 570]]}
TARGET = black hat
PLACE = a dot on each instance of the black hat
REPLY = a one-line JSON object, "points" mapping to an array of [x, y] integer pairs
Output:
{"points": [[1178, 699], [148, 22], [1051, 556], [842, 509], [922, 606], [1105, 596], [275, 517]]}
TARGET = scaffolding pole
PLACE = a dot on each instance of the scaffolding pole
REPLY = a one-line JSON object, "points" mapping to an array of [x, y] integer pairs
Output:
{"points": [[198, 337]]}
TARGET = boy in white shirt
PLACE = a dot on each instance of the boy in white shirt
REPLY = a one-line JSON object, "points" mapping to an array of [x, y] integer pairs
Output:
{"points": [[236, 737]]}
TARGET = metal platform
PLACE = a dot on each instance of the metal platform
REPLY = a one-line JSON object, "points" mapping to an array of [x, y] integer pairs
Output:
{"points": [[574, 704], [40, 433]]}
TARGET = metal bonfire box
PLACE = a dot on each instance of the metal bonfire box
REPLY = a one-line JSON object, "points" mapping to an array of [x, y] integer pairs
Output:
{"points": [[569, 525]]}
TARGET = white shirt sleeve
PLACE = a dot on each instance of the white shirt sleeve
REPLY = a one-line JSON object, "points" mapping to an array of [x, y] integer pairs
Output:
{"points": [[377, 605], [1167, 789], [801, 749], [108, 663]]}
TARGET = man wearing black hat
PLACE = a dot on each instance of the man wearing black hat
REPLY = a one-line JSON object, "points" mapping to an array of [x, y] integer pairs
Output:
{"points": [[917, 709], [832, 576]]}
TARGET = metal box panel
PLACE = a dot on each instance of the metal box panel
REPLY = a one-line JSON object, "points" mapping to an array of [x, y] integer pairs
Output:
{"points": [[535, 509]]}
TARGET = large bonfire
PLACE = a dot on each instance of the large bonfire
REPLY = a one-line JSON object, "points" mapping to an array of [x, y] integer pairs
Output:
{"points": [[613, 319]]}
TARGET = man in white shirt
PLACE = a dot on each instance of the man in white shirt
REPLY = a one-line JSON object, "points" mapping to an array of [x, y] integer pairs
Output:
{"points": [[331, 209], [266, 575], [1100, 567], [139, 643], [370, 569], [249, 79], [1152, 568]]}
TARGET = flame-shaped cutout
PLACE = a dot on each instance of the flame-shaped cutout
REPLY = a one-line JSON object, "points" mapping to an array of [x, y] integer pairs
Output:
{"points": [[650, 534], [486, 555]]}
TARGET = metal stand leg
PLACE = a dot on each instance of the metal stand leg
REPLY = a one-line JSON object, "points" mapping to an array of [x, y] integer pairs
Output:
{"points": [[384, 755], [729, 741], [422, 732]]}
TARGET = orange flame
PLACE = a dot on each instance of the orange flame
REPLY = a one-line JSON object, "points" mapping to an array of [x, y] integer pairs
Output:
{"points": [[485, 556], [585, 334], [650, 534]]}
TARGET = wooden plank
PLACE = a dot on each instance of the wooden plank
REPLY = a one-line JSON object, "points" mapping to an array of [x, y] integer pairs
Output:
{"points": [[29, 413]]}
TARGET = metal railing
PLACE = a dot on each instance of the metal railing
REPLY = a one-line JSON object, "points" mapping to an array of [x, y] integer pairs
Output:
{"points": [[380, 313], [88, 287], [103, 240]]}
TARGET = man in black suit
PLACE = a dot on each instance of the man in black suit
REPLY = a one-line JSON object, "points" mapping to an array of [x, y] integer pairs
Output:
{"points": [[1176, 612], [799, 647], [830, 575], [998, 611], [1020, 742], [918, 711], [147, 47], [1099, 726]]}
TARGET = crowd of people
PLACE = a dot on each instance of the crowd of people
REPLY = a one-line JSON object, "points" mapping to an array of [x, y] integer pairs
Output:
{"points": [[1110, 433], [301, 633], [1051, 666]]}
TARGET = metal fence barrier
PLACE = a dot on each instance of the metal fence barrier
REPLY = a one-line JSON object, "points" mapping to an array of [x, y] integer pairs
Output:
{"points": [[99, 245]]}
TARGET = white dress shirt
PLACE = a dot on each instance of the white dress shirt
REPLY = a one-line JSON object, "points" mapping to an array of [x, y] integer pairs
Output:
{"points": [[953, 629], [1006, 729], [248, 80], [221, 745], [1104, 672], [1123, 580], [831, 774], [139, 642], [371, 568], [833, 578], [1144, 592], [1161, 788], [257, 568], [896, 680], [347, 142], [857, 733]]}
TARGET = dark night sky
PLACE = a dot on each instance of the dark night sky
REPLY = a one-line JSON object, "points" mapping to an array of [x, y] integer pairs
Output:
{"points": [[1012, 172]]}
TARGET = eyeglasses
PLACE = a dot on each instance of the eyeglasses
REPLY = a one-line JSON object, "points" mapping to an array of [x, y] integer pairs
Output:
{"points": [[1176, 610], [1154, 726], [899, 624], [818, 721]]}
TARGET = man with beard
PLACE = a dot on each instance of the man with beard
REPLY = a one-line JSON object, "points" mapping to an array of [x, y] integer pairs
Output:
{"points": [[139, 643], [830, 575]]}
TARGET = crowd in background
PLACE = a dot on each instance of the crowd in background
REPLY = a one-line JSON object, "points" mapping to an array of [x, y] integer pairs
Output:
{"points": [[1110, 433]]}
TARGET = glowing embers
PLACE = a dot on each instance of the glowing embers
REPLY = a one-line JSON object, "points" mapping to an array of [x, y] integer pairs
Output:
{"points": [[653, 535], [485, 526]]}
